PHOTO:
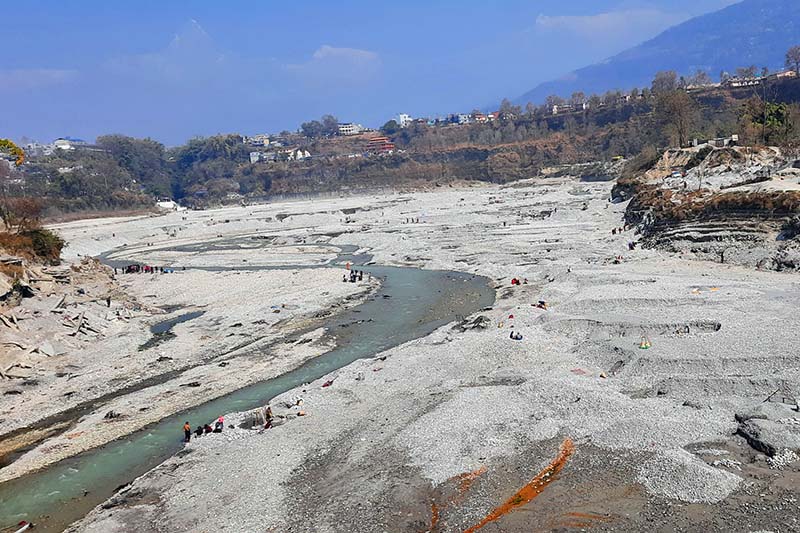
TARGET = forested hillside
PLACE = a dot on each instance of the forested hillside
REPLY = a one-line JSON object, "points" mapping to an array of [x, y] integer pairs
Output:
{"points": [[120, 172]]}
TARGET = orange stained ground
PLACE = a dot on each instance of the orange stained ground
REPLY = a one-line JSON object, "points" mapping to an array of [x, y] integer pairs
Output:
{"points": [[531, 490]]}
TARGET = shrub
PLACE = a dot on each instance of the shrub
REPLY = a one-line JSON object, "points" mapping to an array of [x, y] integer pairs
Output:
{"points": [[46, 245], [699, 157]]}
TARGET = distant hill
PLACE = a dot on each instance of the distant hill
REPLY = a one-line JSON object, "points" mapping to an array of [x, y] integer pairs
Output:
{"points": [[753, 32]]}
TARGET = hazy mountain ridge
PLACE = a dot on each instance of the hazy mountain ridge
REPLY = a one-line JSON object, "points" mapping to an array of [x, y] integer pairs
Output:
{"points": [[753, 32]]}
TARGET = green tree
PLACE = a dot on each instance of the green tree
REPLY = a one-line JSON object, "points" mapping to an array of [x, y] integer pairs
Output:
{"points": [[330, 125], [143, 159], [391, 127], [768, 122], [312, 129]]}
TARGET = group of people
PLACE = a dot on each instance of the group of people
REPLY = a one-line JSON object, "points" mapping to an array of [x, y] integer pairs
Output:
{"points": [[145, 269], [202, 430], [517, 281], [355, 275], [620, 231]]}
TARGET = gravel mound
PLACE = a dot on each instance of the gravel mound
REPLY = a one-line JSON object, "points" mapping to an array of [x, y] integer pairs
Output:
{"points": [[679, 475]]}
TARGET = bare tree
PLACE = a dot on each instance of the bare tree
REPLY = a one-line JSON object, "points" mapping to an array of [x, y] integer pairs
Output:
{"points": [[700, 78], [665, 81], [553, 100], [611, 97], [793, 59], [678, 111], [578, 98], [20, 214], [508, 111], [747, 72]]}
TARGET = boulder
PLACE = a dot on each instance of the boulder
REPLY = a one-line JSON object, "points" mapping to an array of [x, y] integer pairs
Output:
{"points": [[770, 427]]}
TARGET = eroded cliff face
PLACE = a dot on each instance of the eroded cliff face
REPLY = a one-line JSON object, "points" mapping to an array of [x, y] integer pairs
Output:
{"points": [[592, 171], [732, 205]]}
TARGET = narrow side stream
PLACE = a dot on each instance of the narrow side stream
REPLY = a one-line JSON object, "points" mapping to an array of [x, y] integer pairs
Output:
{"points": [[410, 304]]}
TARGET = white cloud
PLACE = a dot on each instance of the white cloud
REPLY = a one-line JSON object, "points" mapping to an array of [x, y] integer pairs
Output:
{"points": [[338, 67], [190, 57], [328, 52], [25, 79], [609, 26]]}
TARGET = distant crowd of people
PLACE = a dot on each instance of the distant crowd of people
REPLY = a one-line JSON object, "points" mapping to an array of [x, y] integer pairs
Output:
{"points": [[145, 269]]}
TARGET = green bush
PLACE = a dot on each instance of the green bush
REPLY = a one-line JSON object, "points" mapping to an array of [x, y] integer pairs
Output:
{"points": [[698, 158], [46, 245]]}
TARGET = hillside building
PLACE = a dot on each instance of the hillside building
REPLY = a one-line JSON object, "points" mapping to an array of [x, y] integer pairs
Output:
{"points": [[736, 82], [262, 139], [404, 120], [572, 108], [298, 155], [35, 149], [68, 143], [349, 128], [380, 145], [783, 74]]}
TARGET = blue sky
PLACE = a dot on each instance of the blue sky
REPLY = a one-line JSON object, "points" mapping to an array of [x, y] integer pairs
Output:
{"points": [[172, 70]]}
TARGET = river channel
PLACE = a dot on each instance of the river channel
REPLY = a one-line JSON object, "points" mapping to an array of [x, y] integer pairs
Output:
{"points": [[411, 303]]}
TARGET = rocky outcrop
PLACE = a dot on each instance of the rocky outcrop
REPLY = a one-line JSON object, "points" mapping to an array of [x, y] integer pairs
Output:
{"points": [[770, 428], [731, 205]]}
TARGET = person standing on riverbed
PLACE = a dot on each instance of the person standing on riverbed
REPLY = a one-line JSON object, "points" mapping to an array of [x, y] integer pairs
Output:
{"points": [[187, 432]]}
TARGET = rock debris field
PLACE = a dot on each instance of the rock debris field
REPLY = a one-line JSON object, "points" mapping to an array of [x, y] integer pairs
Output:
{"points": [[671, 381]]}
